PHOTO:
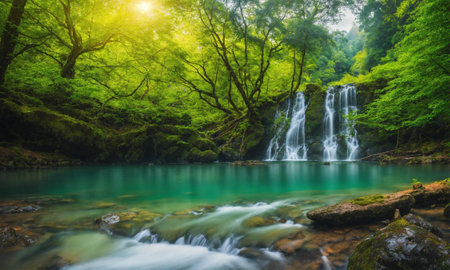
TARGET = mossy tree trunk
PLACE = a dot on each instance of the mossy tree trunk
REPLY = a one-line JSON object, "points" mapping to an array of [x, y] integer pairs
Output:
{"points": [[9, 36]]}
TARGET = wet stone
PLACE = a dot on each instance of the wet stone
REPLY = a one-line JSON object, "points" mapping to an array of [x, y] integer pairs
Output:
{"points": [[402, 245], [289, 246], [125, 223], [258, 221], [13, 209], [8, 237]]}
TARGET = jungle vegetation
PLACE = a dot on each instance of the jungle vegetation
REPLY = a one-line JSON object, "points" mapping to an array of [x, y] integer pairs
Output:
{"points": [[212, 64]]}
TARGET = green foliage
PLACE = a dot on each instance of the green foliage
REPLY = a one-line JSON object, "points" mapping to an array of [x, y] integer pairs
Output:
{"points": [[417, 94], [209, 65]]}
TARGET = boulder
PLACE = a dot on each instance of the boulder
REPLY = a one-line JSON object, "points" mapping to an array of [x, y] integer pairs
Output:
{"points": [[402, 245], [363, 209], [447, 210]]}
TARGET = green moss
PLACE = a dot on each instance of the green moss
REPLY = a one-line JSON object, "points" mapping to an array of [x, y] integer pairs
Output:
{"points": [[204, 144], [366, 200], [196, 155], [376, 252]]}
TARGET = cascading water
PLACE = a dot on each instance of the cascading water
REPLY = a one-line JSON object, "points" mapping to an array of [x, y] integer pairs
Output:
{"points": [[295, 137], [346, 105], [294, 144], [330, 141], [347, 100], [275, 144]]}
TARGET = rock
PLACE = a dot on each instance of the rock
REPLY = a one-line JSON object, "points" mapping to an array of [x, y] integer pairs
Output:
{"points": [[290, 212], [401, 245], [258, 221], [418, 221], [434, 193], [99, 205], [206, 156], [8, 237], [247, 163], [55, 263], [289, 246], [447, 210], [417, 185], [15, 209], [363, 209], [125, 223], [397, 214], [308, 257]]}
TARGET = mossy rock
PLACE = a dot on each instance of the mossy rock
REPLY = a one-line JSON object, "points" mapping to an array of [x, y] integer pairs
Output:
{"points": [[126, 223], [401, 245], [363, 210], [434, 193], [196, 155], [258, 221], [228, 153], [366, 200], [51, 130], [204, 144]]}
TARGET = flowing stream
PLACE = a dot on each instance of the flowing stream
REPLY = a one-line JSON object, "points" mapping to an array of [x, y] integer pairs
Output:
{"points": [[212, 216]]}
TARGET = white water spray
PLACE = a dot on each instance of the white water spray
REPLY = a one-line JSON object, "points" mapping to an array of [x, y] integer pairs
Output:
{"points": [[330, 144], [295, 137], [346, 105], [294, 144]]}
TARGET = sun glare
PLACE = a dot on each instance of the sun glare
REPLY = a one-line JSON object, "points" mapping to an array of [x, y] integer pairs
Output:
{"points": [[144, 7]]}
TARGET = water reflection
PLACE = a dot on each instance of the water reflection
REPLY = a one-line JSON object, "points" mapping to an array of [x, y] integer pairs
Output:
{"points": [[214, 182]]}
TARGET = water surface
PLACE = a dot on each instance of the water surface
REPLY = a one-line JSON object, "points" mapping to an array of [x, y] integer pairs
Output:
{"points": [[280, 192]]}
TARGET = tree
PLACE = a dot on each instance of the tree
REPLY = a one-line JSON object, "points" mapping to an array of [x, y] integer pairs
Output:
{"points": [[73, 31], [9, 36], [418, 74], [241, 39], [382, 28]]}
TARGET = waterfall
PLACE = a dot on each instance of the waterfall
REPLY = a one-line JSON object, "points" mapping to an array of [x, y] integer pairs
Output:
{"points": [[345, 106], [347, 100], [330, 141], [295, 137], [275, 144], [294, 143]]}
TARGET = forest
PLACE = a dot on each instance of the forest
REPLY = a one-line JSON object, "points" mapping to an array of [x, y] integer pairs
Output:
{"points": [[175, 81], [224, 134]]}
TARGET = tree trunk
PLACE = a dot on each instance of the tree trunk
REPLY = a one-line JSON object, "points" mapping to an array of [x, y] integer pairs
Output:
{"points": [[9, 36], [68, 69]]}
